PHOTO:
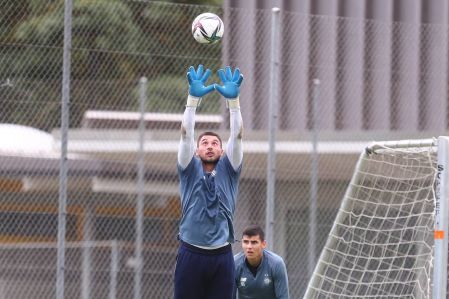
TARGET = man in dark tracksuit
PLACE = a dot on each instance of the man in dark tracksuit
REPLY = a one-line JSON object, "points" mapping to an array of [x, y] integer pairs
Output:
{"points": [[259, 273]]}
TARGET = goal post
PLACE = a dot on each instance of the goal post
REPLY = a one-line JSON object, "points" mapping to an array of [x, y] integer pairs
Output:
{"points": [[441, 220], [389, 238]]}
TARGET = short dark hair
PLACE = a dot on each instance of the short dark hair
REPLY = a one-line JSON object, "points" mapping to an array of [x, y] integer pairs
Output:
{"points": [[209, 133], [254, 230]]}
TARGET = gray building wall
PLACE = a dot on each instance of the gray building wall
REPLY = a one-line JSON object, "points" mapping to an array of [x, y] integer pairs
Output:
{"points": [[383, 65]]}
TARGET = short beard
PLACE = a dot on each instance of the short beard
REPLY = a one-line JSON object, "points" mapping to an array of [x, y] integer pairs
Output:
{"points": [[210, 162]]}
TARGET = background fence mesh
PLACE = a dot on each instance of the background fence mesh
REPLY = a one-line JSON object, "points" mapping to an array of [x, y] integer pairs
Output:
{"points": [[378, 81]]}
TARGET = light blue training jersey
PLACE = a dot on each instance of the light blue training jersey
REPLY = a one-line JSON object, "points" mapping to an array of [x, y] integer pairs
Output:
{"points": [[270, 282], [208, 202]]}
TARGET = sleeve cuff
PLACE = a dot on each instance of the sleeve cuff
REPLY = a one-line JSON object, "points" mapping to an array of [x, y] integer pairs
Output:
{"points": [[193, 101], [233, 103]]}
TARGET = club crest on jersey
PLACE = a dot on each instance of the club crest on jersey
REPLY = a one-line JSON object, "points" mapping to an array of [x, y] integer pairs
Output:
{"points": [[242, 281], [267, 279]]}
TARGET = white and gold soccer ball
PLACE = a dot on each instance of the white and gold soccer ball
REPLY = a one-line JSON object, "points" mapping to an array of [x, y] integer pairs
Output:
{"points": [[207, 28]]}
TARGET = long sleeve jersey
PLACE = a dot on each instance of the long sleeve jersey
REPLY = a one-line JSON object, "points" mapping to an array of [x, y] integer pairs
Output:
{"points": [[208, 200]]}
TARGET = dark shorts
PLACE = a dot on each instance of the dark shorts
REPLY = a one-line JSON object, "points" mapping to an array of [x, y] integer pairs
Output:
{"points": [[204, 274]]}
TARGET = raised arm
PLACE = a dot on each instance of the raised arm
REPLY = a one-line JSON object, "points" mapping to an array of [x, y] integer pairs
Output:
{"points": [[197, 89], [231, 91]]}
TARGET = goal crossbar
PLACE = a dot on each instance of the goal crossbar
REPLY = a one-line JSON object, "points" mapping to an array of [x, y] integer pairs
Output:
{"points": [[389, 238], [373, 147]]}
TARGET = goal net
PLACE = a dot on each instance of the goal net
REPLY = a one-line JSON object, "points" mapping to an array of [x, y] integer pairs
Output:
{"points": [[382, 243]]}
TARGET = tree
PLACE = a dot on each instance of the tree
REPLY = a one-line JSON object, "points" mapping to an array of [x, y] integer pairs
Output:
{"points": [[114, 43], [99, 27]]}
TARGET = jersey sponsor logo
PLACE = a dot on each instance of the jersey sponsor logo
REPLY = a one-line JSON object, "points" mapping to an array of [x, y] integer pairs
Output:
{"points": [[243, 281]]}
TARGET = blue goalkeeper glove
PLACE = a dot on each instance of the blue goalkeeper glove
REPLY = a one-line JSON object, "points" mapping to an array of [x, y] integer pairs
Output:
{"points": [[231, 83], [197, 80]]}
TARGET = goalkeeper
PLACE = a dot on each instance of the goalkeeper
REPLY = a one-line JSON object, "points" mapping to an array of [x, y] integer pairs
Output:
{"points": [[259, 273], [209, 180]]}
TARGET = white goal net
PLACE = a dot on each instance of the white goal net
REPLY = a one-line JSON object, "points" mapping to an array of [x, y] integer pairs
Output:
{"points": [[382, 242]]}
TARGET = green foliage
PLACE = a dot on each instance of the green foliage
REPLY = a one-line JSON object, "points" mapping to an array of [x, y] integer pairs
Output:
{"points": [[12, 13], [98, 28], [168, 94], [114, 43]]}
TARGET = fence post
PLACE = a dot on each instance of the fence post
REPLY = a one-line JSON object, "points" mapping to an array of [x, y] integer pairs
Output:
{"points": [[272, 127], [313, 178], [140, 190], [115, 258], [65, 105]]}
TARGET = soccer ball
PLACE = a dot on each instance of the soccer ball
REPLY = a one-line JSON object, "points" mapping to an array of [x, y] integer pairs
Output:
{"points": [[207, 28]]}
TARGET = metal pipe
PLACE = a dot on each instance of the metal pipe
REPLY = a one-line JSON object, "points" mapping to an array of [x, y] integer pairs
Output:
{"points": [[65, 107], [272, 124], [313, 180], [140, 191]]}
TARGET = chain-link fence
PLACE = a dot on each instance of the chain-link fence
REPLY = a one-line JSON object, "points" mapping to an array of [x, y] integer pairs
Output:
{"points": [[378, 81]]}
